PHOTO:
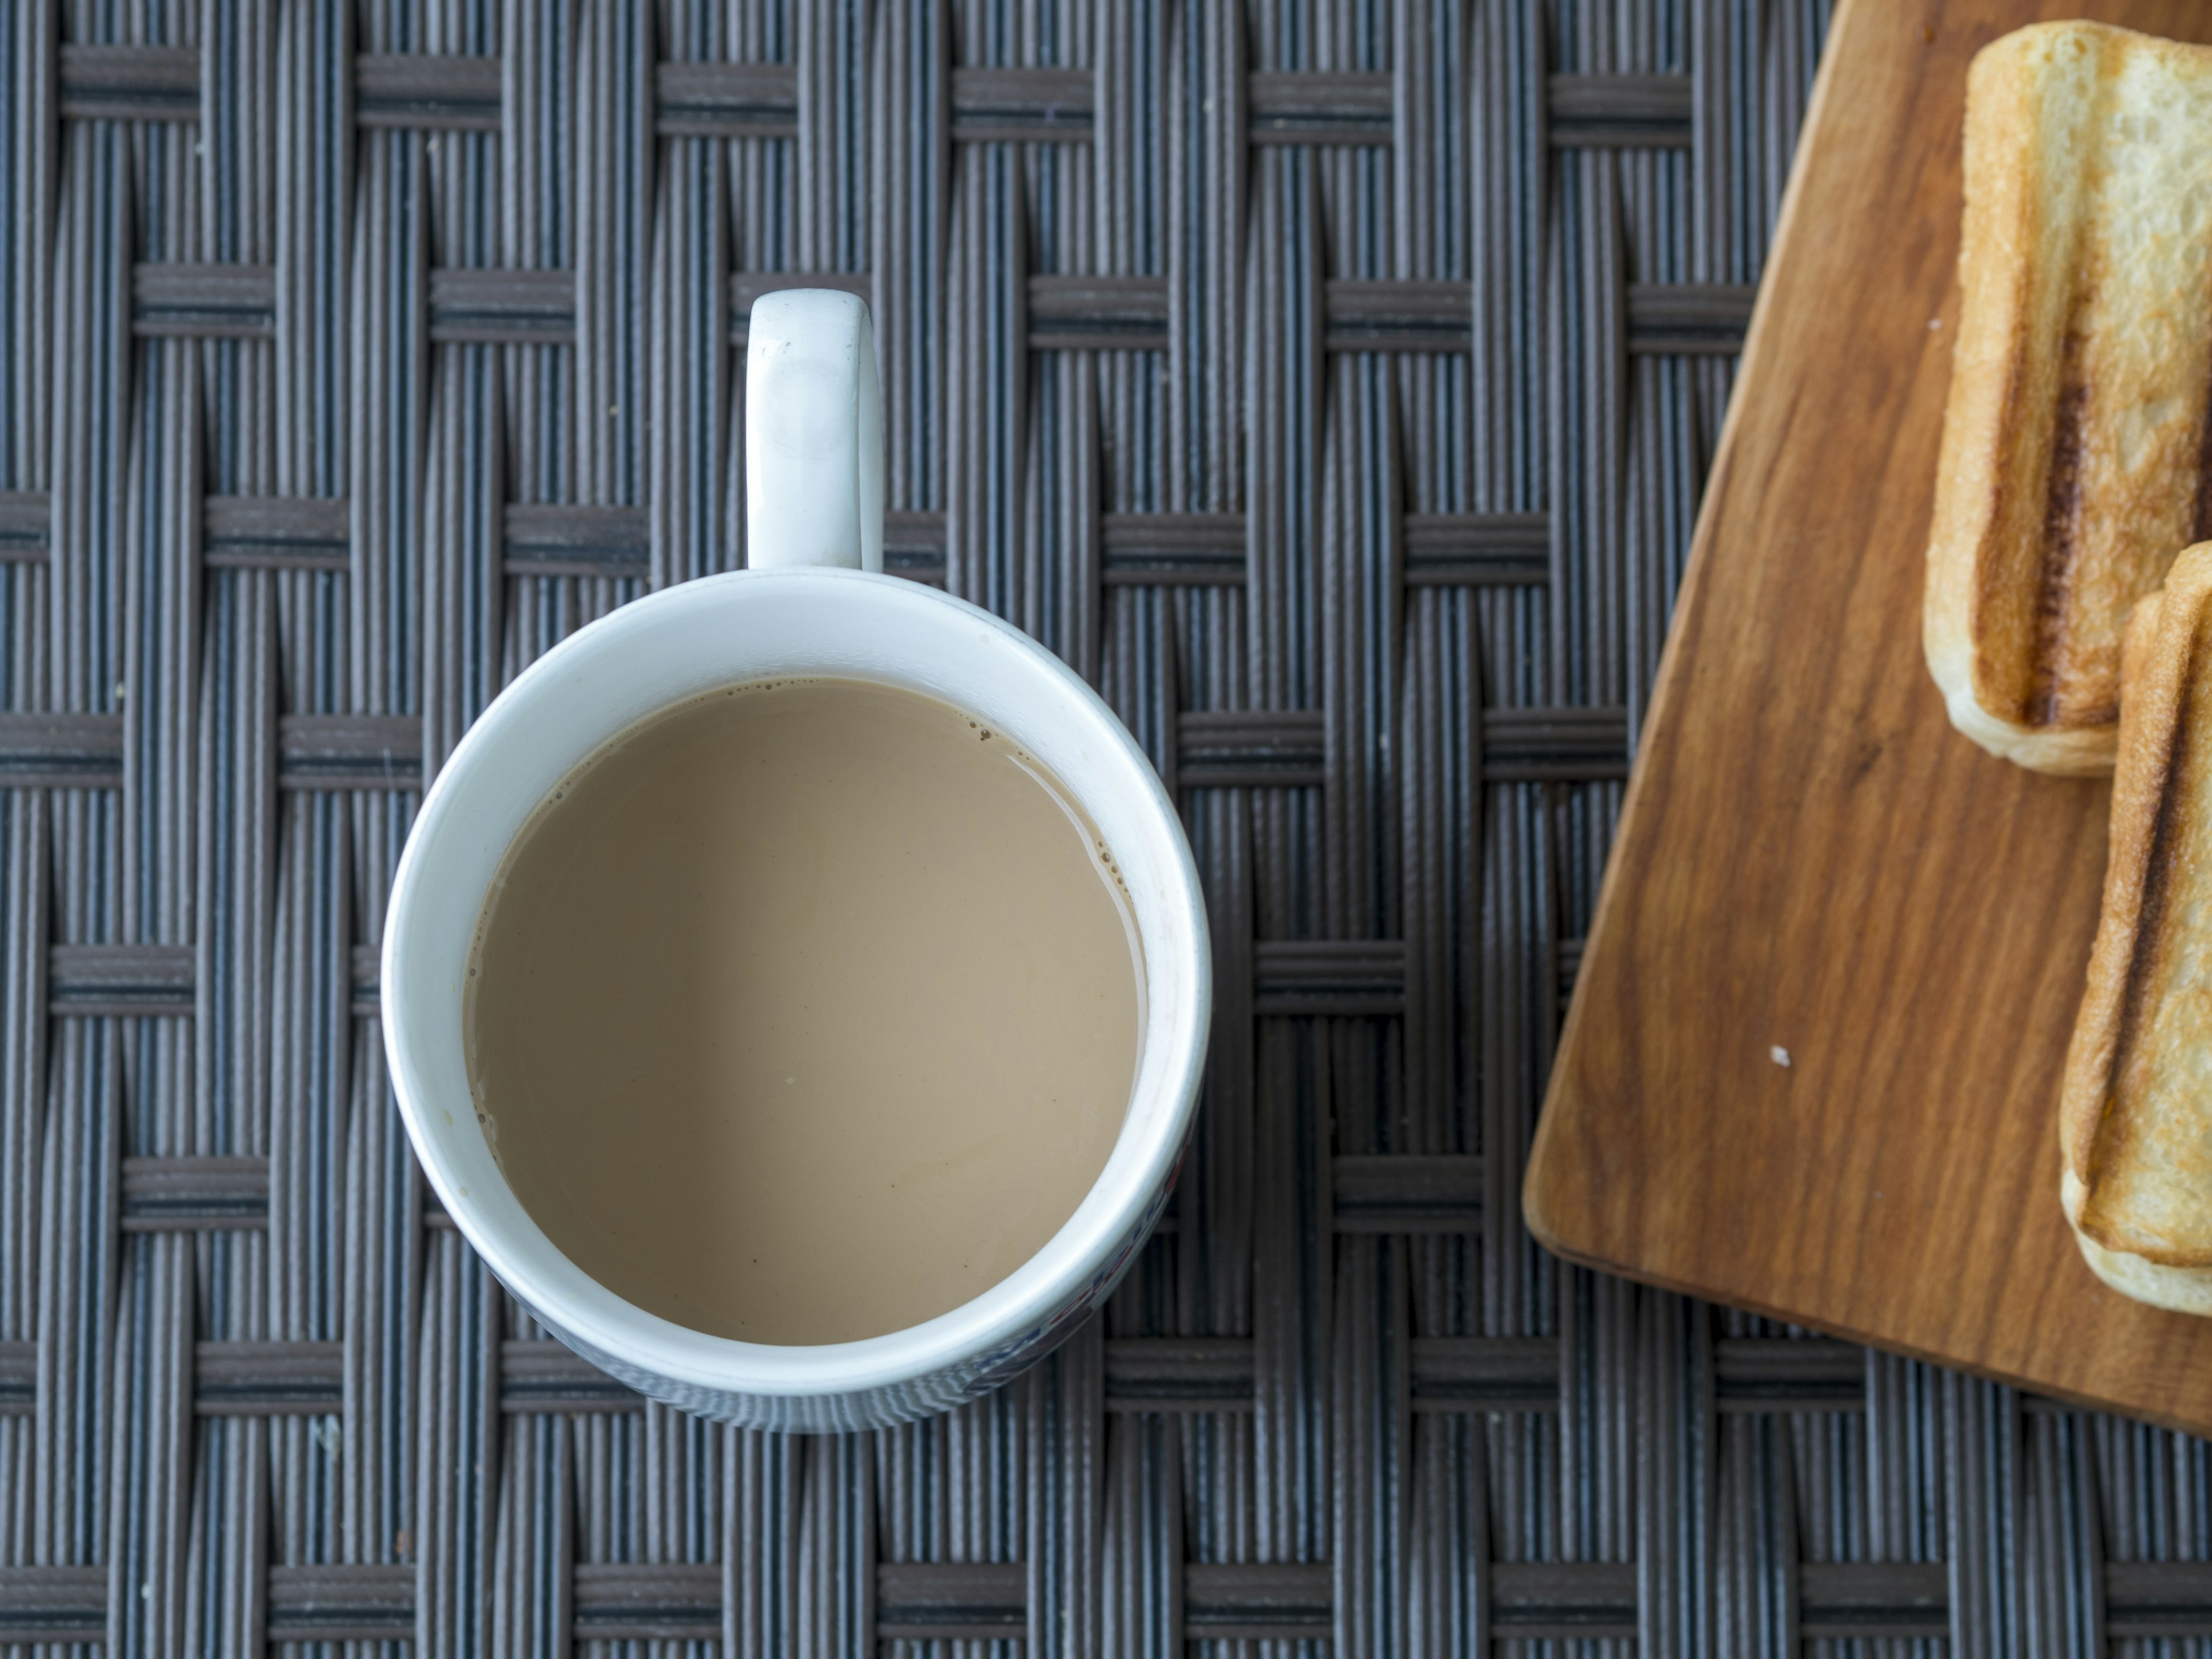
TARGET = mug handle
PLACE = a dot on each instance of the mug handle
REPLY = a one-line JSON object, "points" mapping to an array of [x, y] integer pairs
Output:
{"points": [[814, 433]]}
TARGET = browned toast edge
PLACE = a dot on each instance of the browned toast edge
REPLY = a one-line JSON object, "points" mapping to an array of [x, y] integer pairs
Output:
{"points": [[1983, 628], [2160, 656]]}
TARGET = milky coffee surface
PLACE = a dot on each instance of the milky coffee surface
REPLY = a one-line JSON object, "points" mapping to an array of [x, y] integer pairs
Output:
{"points": [[804, 1012]]}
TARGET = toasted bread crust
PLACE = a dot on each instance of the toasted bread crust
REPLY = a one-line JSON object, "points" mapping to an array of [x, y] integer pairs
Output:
{"points": [[2132, 1128], [2076, 435], [2184, 1290]]}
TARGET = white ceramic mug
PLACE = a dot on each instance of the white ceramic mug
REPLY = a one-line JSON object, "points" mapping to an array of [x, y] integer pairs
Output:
{"points": [[814, 602]]}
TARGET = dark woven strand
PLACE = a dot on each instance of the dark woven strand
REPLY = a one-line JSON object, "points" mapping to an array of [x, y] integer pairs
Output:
{"points": [[1334, 386]]}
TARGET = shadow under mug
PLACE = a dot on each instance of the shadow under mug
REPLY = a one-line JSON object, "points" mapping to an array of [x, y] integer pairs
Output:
{"points": [[814, 602]]}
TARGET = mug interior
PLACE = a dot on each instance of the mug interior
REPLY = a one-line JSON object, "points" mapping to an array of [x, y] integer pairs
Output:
{"points": [[661, 650]]}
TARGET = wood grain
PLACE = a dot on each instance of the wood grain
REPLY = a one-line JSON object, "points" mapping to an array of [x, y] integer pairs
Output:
{"points": [[1811, 860]]}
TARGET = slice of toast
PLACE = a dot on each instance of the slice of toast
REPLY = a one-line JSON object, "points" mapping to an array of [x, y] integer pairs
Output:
{"points": [[2136, 1113], [2077, 457]]}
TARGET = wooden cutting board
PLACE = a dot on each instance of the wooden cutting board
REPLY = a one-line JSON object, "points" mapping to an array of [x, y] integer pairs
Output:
{"points": [[1812, 862]]}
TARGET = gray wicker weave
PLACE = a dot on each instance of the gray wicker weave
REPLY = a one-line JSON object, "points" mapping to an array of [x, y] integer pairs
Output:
{"points": [[1331, 383]]}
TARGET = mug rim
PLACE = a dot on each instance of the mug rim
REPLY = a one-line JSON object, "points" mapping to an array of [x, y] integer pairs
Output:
{"points": [[628, 1335]]}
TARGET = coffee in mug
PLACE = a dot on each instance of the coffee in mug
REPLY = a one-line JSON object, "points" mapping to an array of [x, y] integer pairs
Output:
{"points": [[939, 970], [804, 1012]]}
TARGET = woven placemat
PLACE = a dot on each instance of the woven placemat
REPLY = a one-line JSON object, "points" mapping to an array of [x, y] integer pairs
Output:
{"points": [[1332, 385]]}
